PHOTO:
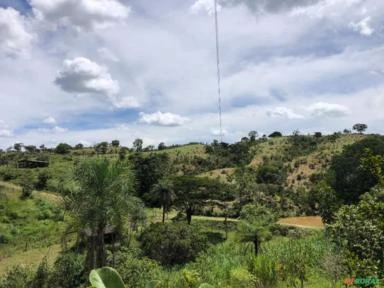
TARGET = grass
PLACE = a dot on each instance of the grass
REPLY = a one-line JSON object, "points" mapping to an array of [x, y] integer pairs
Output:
{"points": [[27, 225], [31, 257], [313, 222]]}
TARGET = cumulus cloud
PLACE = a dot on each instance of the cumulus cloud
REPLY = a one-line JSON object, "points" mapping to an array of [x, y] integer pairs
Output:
{"points": [[363, 26], [15, 40], [163, 119], [49, 120], [274, 6], [216, 132], [322, 109], [54, 130], [4, 129], [107, 54], [81, 75], [126, 102], [284, 112], [204, 6], [83, 14]]}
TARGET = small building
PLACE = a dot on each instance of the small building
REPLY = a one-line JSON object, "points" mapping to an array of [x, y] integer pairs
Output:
{"points": [[32, 164]]}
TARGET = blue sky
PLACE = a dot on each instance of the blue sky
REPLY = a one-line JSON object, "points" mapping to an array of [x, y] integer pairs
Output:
{"points": [[90, 71]]}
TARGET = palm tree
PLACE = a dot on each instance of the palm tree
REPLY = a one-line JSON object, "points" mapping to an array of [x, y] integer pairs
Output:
{"points": [[255, 225], [163, 192], [100, 196]]}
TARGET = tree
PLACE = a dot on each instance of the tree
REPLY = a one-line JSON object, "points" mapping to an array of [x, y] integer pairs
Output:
{"points": [[79, 146], [17, 146], [359, 231], [253, 135], [138, 144], [102, 147], [115, 143], [123, 152], [348, 177], [318, 134], [63, 148], [161, 146], [323, 200], [163, 192], [360, 128], [149, 169], [275, 134], [30, 148], [101, 197], [172, 243], [255, 225], [191, 192]]}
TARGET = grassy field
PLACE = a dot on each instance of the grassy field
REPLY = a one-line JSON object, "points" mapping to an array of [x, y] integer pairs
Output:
{"points": [[313, 222], [30, 228]]}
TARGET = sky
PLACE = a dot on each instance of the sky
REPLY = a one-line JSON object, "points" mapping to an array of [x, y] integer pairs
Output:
{"points": [[86, 71]]}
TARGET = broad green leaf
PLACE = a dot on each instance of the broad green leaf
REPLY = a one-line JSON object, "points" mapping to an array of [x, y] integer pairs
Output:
{"points": [[106, 278]]}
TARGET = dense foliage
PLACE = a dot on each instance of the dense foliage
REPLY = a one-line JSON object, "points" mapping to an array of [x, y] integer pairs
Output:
{"points": [[172, 244], [349, 179]]}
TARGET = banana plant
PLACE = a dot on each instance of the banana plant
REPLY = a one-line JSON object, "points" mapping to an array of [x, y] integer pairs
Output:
{"points": [[106, 277]]}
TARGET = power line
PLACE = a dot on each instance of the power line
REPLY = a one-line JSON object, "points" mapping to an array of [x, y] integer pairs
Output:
{"points": [[218, 70]]}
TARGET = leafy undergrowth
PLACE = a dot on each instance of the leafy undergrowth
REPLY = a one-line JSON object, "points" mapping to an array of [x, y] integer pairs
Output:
{"points": [[29, 223]]}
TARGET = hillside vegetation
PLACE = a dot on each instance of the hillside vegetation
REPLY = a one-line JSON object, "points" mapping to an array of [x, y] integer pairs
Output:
{"points": [[278, 211]]}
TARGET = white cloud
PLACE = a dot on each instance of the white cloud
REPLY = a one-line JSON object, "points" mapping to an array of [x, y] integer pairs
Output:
{"points": [[82, 14], [126, 102], [4, 129], [363, 26], [204, 6], [54, 129], [15, 40], [322, 109], [216, 132], [163, 119], [107, 54], [49, 120], [81, 75], [284, 112]]}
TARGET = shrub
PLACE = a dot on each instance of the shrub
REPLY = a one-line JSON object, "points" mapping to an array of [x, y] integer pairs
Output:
{"points": [[241, 278], [265, 271], [42, 180], [135, 271], [26, 183], [67, 271], [41, 277], [17, 277], [63, 148], [174, 243]]}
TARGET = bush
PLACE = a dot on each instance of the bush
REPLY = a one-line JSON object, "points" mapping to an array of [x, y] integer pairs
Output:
{"points": [[134, 271], [68, 271], [349, 179], [42, 180], [17, 277], [174, 243], [41, 278], [63, 148], [26, 183]]}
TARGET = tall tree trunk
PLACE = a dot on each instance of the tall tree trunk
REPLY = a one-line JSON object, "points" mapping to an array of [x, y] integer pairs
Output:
{"points": [[256, 243], [189, 215], [100, 247], [90, 261], [163, 213]]}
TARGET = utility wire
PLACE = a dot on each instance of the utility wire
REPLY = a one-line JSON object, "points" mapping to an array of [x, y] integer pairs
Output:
{"points": [[218, 70]]}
